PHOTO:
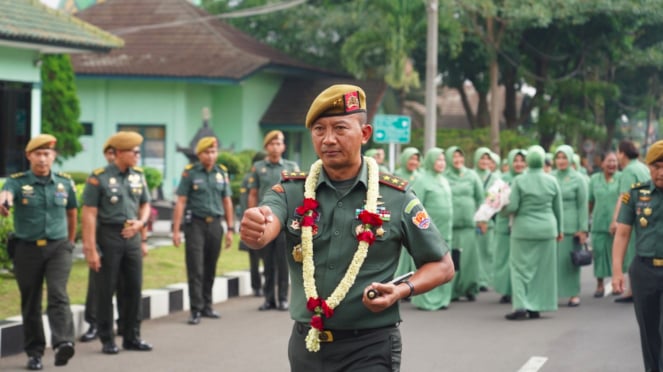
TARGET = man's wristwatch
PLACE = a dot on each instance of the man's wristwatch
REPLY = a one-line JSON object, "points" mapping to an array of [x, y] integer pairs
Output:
{"points": [[231, 229]]}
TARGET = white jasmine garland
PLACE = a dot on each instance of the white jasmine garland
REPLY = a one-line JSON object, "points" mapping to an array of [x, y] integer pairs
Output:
{"points": [[308, 266]]}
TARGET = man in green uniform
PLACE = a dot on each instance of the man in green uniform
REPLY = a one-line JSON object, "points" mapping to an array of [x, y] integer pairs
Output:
{"points": [[115, 211], [345, 225], [267, 173], [45, 228], [204, 190], [642, 213], [633, 171]]}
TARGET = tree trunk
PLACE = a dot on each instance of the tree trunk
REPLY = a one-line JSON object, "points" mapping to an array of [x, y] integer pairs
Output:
{"points": [[494, 102], [483, 113], [471, 118], [510, 97]]}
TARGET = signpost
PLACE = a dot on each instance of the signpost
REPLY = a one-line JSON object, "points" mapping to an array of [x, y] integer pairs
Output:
{"points": [[391, 129]]}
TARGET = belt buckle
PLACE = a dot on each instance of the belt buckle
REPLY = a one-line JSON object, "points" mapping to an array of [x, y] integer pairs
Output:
{"points": [[326, 336], [41, 242], [209, 219], [657, 262], [127, 224]]}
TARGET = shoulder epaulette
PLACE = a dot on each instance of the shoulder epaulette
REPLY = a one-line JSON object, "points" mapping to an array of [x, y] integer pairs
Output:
{"points": [[639, 185], [188, 166], [223, 167], [17, 175], [293, 176], [98, 171], [138, 169], [64, 175], [393, 181]]}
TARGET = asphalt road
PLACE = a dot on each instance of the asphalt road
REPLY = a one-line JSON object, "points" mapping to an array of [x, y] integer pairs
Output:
{"points": [[600, 335]]}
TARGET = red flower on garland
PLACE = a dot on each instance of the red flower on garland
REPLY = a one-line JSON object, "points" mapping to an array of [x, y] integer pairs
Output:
{"points": [[308, 221], [366, 236], [368, 218], [309, 205], [316, 322]]}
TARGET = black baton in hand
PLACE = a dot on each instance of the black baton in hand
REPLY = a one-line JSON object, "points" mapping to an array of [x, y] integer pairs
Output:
{"points": [[373, 293]]}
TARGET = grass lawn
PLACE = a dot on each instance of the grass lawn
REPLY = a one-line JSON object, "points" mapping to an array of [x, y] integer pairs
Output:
{"points": [[161, 267]]}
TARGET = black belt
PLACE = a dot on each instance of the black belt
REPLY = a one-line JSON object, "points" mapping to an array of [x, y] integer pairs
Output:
{"points": [[652, 261], [40, 242], [208, 219], [330, 335]]}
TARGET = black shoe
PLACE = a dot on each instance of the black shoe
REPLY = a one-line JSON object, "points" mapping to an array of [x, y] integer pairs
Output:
{"points": [[63, 353], [210, 313], [195, 318], [267, 306], [34, 363], [517, 315], [573, 303], [109, 348], [483, 288], [533, 314], [137, 345], [257, 292], [624, 300], [283, 305], [505, 299], [90, 335], [471, 297]]}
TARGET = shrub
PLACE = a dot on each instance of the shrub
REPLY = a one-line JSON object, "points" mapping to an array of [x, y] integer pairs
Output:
{"points": [[232, 162], [153, 177]]}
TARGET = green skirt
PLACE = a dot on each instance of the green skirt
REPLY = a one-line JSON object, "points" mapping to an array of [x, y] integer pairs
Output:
{"points": [[502, 268], [466, 280], [534, 274], [602, 252], [568, 275], [486, 245]]}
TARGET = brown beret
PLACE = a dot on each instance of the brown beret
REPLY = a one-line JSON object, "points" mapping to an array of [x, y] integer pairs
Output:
{"points": [[106, 146], [655, 153], [270, 136], [42, 141], [205, 143], [337, 100], [124, 140]]}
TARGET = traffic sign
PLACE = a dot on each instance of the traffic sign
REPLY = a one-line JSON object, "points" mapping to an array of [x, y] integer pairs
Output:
{"points": [[391, 129]]}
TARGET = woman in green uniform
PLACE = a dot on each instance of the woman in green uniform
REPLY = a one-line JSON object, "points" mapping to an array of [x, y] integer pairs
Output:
{"points": [[502, 269], [603, 195], [486, 233], [466, 196], [576, 216], [434, 192], [536, 202], [408, 170]]}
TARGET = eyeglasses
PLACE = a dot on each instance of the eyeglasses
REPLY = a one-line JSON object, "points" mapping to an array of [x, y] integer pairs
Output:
{"points": [[136, 152]]}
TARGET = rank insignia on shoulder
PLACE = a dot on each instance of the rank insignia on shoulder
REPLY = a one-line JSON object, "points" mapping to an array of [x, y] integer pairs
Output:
{"points": [[626, 197], [138, 169], [223, 167], [98, 171], [188, 166], [286, 176], [393, 181], [65, 175], [17, 175]]}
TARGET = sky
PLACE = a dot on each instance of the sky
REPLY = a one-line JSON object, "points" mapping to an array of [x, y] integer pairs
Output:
{"points": [[51, 3]]}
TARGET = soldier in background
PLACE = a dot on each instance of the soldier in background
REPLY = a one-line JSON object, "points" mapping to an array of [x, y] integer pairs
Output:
{"points": [[45, 212]]}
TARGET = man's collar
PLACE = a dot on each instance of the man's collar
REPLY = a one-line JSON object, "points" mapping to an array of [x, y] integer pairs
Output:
{"points": [[34, 178], [362, 177]]}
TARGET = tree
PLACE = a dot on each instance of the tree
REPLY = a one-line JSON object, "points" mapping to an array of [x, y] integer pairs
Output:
{"points": [[59, 104]]}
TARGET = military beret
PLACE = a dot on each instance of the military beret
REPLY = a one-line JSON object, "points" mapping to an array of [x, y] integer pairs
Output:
{"points": [[337, 100], [205, 143], [271, 136], [655, 153], [124, 140], [42, 141], [106, 146]]}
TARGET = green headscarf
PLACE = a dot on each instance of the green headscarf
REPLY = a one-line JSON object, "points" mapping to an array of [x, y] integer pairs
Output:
{"points": [[536, 156], [430, 159]]}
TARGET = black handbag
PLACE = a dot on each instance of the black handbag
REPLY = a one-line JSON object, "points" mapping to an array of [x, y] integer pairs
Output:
{"points": [[455, 257], [581, 256]]}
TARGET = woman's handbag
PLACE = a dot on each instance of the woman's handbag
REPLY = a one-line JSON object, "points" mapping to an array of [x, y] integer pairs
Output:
{"points": [[581, 255]]}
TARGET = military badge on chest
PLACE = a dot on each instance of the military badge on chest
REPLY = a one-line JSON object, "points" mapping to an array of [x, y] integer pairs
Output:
{"points": [[27, 192], [61, 193], [643, 207], [136, 184]]}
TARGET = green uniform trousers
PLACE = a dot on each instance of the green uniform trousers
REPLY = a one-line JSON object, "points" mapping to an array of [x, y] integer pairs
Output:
{"points": [[203, 247], [33, 264], [119, 257], [647, 286], [276, 270], [91, 302], [377, 350]]}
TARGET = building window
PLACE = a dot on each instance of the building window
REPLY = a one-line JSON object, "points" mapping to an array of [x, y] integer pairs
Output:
{"points": [[87, 128], [15, 108]]}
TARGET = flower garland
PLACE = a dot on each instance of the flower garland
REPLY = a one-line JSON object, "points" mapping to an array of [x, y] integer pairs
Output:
{"points": [[321, 307]]}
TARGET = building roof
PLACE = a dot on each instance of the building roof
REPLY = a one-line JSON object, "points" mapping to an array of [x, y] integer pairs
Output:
{"points": [[288, 109], [30, 24], [173, 38]]}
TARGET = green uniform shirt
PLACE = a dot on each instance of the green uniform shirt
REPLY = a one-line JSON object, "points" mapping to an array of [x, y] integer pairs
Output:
{"points": [[266, 174], [574, 200], [204, 190], [643, 209], [634, 172], [41, 204], [244, 194], [335, 244], [116, 195], [604, 195]]}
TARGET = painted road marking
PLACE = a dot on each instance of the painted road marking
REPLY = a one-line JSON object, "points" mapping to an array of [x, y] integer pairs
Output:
{"points": [[533, 364]]}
